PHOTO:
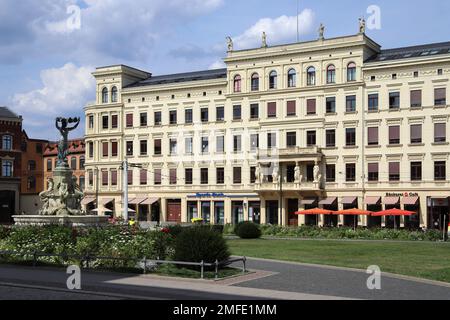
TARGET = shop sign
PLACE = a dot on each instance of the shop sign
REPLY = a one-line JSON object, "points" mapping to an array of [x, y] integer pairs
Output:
{"points": [[209, 195], [404, 194]]}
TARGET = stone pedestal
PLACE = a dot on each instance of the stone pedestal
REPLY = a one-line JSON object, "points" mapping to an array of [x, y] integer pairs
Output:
{"points": [[68, 221]]}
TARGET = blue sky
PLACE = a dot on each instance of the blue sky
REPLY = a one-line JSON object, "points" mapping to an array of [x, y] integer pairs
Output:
{"points": [[45, 67]]}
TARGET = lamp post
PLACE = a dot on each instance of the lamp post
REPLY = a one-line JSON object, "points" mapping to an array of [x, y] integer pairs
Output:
{"points": [[125, 166]]}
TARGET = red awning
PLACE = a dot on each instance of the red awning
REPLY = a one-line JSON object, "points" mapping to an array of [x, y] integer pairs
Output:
{"points": [[349, 200], [328, 201], [354, 212], [410, 201], [390, 201], [373, 200], [150, 201], [315, 211], [393, 212], [137, 200]]}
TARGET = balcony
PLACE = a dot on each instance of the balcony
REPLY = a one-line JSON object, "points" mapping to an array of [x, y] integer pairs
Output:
{"points": [[294, 154], [288, 186]]}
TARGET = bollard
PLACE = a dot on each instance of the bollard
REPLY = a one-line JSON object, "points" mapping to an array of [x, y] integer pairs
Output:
{"points": [[202, 265], [217, 270], [244, 260]]}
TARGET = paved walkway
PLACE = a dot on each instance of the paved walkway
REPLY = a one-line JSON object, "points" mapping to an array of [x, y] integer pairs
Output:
{"points": [[341, 282]]}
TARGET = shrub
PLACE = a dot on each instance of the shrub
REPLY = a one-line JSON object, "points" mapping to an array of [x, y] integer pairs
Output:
{"points": [[218, 228], [200, 243], [247, 230], [175, 230], [4, 232], [228, 229]]}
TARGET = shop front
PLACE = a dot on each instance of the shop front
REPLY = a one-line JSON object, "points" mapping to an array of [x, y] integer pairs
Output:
{"points": [[350, 203], [438, 213]]}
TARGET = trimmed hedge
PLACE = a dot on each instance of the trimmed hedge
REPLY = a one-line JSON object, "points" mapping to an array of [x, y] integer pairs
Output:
{"points": [[247, 230]]}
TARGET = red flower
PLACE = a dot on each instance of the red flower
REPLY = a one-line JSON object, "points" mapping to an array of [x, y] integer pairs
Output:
{"points": [[165, 230]]}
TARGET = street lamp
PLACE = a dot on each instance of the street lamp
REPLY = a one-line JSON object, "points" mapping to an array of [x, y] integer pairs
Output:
{"points": [[125, 166]]}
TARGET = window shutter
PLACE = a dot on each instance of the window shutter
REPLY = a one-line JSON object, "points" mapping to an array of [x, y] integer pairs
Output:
{"points": [[105, 149], [130, 177], [394, 132], [373, 167], [311, 106], [373, 136], [114, 178], [272, 109], [129, 120], [394, 168], [291, 108], [143, 177], [440, 94], [416, 98], [416, 132], [440, 131]]}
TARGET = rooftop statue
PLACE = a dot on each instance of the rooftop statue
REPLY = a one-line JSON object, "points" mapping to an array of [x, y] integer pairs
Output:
{"points": [[321, 31], [229, 44], [362, 26]]}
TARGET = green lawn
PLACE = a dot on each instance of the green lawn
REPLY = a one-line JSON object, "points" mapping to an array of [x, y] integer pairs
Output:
{"points": [[427, 260]]}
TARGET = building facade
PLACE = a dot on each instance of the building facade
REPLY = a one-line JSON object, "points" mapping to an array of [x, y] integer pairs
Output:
{"points": [[337, 123], [11, 163]]}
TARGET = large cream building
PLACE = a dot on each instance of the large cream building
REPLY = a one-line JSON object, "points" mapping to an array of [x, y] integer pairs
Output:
{"points": [[335, 123]]}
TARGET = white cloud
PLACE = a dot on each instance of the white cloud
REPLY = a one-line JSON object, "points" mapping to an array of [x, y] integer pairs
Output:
{"points": [[278, 30], [219, 64]]}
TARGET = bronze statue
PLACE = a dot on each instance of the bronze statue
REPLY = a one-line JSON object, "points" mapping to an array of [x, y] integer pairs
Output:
{"points": [[63, 125]]}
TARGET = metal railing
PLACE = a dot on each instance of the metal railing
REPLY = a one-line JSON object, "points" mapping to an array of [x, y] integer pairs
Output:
{"points": [[85, 261]]}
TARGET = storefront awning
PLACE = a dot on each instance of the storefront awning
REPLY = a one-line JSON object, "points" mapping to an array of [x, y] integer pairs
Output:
{"points": [[309, 201], [349, 200], [373, 200], [390, 201], [137, 201], [328, 201], [410, 201], [106, 201], [150, 201], [87, 200]]}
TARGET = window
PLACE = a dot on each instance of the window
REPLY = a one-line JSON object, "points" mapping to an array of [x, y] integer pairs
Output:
{"points": [[237, 143], [173, 146], [113, 178], [372, 78], [7, 142], [394, 171], [143, 145], [114, 121], [416, 74], [204, 176], [439, 72], [350, 172], [173, 176], [254, 142], [292, 78], [373, 102], [220, 114], [331, 105], [394, 100], [271, 140], [204, 114], [373, 171], [394, 76], [114, 94], [330, 138], [291, 139], [143, 177], [91, 122], [31, 165], [330, 173], [416, 133], [237, 175], [188, 145], [372, 136], [82, 163], [311, 138], [220, 176], [73, 163], [105, 178], [105, 122], [331, 74], [273, 80], [416, 98], [129, 120], [105, 149], [143, 119], [220, 144], [113, 150], [82, 183], [440, 98], [350, 104], [311, 76], [311, 106], [291, 108], [350, 137], [157, 147], [188, 176], [49, 165], [416, 171], [158, 118], [351, 72], [255, 82], [105, 95], [237, 83], [173, 117], [252, 174], [394, 135], [272, 110], [91, 149], [237, 112], [439, 171], [39, 148], [130, 177], [440, 132], [205, 145], [157, 176], [90, 178], [188, 116], [130, 151], [254, 111]]}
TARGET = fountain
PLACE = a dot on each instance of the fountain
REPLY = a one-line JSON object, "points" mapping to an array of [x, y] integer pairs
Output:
{"points": [[61, 202]]}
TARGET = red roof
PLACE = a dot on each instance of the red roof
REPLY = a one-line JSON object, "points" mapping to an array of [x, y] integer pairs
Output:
{"points": [[75, 146]]}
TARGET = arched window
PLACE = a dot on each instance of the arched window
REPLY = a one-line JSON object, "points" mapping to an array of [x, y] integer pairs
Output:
{"points": [[273, 80], [82, 162], [292, 78], [331, 74], [7, 168], [7, 142], [114, 94], [351, 71], [237, 83], [73, 163], [255, 82], [105, 95], [311, 76]]}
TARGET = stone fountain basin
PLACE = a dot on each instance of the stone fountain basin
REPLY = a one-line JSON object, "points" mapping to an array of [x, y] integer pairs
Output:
{"points": [[68, 221]]}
